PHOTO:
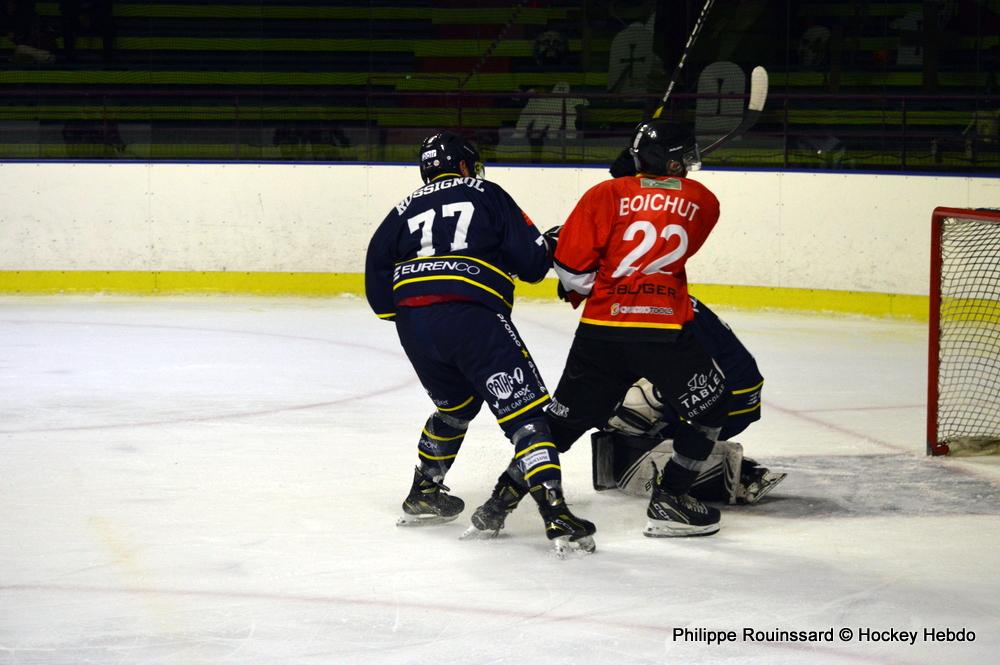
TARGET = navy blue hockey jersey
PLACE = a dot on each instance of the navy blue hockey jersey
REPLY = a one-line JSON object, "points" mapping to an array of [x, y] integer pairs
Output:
{"points": [[455, 236], [742, 374]]}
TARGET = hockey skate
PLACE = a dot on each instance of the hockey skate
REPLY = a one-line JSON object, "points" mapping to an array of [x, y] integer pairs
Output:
{"points": [[673, 516], [756, 482], [428, 504], [489, 518], [566, 531]]}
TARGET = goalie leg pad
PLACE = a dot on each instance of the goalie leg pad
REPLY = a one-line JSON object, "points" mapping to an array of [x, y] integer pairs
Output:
{"points": [[626, 463], [719, 480], [693, 444], [602, 457]]}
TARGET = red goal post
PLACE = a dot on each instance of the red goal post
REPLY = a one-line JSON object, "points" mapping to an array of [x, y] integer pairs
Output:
{"points": [[963, 379]]}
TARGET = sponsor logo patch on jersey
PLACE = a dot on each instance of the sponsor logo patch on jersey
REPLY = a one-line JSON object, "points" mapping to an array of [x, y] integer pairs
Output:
{"points": [[704, 390], [424, 265], [670, 183], [501, 385], [643, 309], [536, 458], [618, 308], [557, 409]]}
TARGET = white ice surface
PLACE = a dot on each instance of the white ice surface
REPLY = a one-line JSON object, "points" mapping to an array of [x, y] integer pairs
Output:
{"points": [[216, 480]]}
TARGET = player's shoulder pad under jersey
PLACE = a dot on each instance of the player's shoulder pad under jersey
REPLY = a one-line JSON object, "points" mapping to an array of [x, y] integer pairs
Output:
{"points": [[703, 190]]}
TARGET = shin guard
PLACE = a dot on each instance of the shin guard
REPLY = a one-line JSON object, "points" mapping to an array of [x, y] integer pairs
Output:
{"points": [[440, 441]]}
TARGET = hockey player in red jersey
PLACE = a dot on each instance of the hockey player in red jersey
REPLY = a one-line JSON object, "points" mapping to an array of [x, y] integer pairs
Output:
{"points": [[624, 246], [623, 250]]}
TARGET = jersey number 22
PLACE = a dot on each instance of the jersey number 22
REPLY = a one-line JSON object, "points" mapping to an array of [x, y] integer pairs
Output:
{"points": [[649, 236]]}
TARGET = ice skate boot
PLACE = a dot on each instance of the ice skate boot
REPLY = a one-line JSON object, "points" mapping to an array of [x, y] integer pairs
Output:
{"points": [[565, 530], [755, 482], [428, 504], [672, 515], [489, 518]]}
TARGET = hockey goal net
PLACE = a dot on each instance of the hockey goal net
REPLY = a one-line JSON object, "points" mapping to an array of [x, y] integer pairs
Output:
{"points": [[963, 386]]}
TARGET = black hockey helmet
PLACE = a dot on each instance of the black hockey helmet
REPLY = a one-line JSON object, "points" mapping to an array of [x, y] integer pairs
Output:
{"points": [[658, 143], [441, 153]]}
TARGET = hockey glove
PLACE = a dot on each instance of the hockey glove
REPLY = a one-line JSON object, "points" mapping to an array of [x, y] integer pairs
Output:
{"points": [[551, 238], [623, 165], [572, 297], [640, 413]]}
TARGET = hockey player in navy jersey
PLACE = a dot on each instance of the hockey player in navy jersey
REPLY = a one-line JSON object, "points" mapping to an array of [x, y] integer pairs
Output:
{"points": [[442, 266]]}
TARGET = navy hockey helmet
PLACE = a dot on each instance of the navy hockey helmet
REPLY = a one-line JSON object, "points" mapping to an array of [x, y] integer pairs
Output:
{"points": [[441, 154], [664, 148]]}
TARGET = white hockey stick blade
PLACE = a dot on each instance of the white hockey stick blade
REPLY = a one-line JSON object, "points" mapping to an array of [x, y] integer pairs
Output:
{"points": [[758, 97], [758, 89]]}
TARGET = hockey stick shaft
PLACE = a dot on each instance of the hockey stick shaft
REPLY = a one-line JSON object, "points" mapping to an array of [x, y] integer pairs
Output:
{"points": [[489, 51], [758, 97], [695, 31]]}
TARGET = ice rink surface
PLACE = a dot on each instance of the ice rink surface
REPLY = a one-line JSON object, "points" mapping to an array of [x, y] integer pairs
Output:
{"points": [[216, 480]]}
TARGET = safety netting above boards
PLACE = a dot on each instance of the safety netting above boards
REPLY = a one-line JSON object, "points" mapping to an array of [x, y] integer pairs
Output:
{"points": [[897, 86]]}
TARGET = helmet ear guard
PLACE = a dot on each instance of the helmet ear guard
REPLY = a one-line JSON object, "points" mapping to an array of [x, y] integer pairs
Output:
{"points": [[443, 153]]}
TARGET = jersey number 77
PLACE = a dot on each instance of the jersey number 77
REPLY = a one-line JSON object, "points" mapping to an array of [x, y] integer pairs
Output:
{"points": [[424, 222]]}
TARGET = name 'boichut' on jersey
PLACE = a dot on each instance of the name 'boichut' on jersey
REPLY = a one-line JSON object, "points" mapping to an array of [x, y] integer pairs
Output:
{"points": [[453, 237], [625, 246]]}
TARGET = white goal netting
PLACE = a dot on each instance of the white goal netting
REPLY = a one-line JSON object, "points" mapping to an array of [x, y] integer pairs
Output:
{"points": [[966, 325]]}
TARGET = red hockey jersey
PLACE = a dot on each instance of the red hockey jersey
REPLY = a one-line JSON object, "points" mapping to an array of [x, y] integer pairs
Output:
{"points": [[624, 247]]}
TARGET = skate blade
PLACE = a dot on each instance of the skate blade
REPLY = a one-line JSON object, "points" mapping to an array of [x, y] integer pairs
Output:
{"points": [[472, 533], [564, 547], [423, 520], [661, 529], [767, 483]]}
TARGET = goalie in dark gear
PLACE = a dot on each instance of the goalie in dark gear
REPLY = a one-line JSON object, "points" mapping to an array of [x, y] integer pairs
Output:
{"points": [[630, 463], [640, 433], [637, 441]]}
